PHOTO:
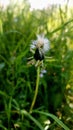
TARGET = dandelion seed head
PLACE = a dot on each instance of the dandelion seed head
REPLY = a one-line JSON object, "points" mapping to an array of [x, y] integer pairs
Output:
{"points": [[41, 43], [39, 47]]}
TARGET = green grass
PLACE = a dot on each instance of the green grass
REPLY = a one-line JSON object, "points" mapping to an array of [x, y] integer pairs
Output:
{"points": [[18, 78]]}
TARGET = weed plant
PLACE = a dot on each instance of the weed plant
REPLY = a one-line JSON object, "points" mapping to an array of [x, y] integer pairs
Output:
{"points": [[53, 105]]}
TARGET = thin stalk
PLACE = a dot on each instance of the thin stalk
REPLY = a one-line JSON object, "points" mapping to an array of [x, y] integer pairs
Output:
{"points": [[36, 90]]}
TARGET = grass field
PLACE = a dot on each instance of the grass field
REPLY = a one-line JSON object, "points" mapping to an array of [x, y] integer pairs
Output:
{"points": [[36, 71]]}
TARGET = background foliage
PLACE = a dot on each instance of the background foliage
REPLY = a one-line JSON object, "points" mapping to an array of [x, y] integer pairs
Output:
{"points": [[18, 27]]}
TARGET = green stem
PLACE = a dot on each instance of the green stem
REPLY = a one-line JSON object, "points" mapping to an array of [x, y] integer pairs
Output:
{"points": [[36, 90]]}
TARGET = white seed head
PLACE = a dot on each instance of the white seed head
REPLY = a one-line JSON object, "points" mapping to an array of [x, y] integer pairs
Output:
{"points": [[41, 43]]}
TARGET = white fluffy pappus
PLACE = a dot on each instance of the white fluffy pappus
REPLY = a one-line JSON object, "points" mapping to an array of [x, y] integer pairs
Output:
{"points": [[41, 43]]}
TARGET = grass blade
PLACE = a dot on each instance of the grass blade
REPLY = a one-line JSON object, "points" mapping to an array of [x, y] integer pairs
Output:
{"points": [[55, 118], [32, 118]]}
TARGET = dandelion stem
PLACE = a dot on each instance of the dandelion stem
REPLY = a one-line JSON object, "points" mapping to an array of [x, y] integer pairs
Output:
{"points": [[36, 90]]}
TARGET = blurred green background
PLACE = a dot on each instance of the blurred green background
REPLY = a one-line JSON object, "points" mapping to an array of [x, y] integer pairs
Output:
{"points": [[18, 27]]}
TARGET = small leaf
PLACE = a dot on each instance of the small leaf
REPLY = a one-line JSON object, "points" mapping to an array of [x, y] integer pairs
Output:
{"points": [[2, 65]]}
